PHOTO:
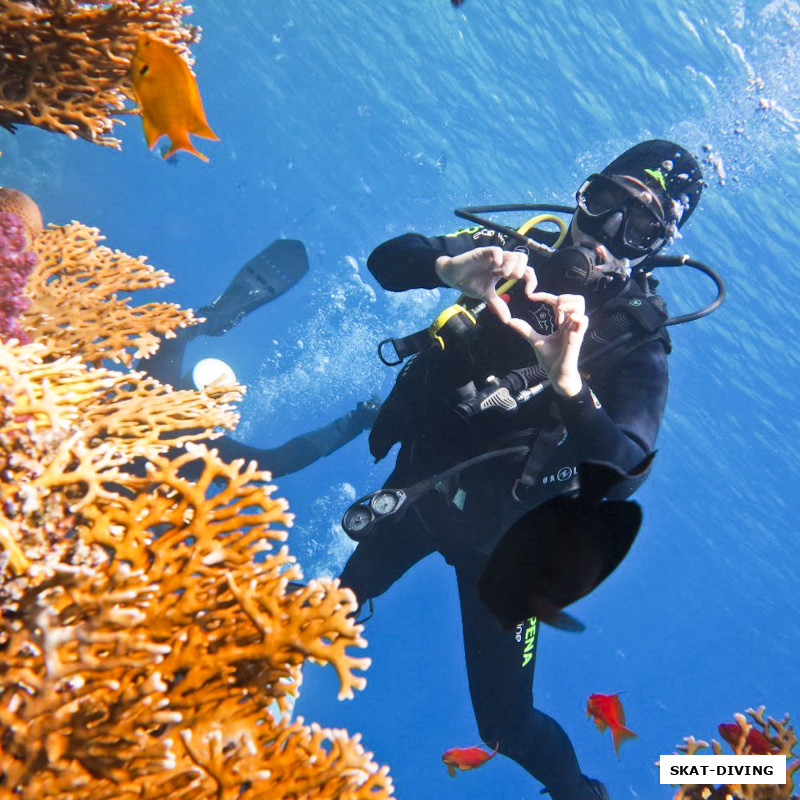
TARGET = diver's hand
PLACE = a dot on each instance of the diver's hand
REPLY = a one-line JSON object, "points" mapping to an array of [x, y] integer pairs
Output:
{"points": [[558, 353], [477, 272]]}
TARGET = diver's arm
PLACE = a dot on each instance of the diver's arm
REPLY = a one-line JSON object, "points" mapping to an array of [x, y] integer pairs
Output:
{"points": [[617, 419], [409, 261], [622, 430], [558, 352], [475, 273], [478, 272], [166, 364], [305, 449]]}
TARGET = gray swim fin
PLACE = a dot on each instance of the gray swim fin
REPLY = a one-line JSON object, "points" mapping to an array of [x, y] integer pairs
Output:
{"points": [[263, 278]]}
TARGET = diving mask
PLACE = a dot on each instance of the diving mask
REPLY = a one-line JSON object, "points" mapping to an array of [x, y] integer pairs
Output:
{"points": [[621, 214]]}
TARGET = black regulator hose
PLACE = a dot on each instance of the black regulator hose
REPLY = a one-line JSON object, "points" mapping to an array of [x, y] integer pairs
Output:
{"points": [[685, 261], [471, 213]]}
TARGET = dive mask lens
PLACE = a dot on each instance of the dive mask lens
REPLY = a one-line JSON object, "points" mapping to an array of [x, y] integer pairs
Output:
{"points": [[641, 228], [599, 195]]}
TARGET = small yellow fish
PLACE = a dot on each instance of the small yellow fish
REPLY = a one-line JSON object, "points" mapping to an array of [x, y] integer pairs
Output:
{"points": [[168, 96]]}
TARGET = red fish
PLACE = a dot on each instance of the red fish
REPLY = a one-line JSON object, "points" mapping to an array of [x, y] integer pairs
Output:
{"points": [[607, 712], [758, 743], [465, 758]]}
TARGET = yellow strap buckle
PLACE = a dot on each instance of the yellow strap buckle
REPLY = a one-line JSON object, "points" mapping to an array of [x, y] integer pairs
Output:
{"points": [[446, 318], [458, 316]]}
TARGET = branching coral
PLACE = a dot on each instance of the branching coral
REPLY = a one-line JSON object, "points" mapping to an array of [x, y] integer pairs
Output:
{"points": [[781, 739], [64, 63], [150, 643], [75, 307]]}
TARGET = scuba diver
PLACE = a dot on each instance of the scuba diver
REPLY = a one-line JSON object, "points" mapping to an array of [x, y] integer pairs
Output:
{"points": [[510, 392], [264, 278]]}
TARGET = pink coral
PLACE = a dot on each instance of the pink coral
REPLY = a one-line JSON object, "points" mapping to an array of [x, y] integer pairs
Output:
{"points": [[16, 263]]}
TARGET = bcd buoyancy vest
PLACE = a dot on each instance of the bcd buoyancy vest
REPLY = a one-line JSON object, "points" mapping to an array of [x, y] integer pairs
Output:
{"points": [[430, 385]]}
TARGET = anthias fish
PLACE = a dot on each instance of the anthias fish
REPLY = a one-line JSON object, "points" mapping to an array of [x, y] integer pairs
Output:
{"points": [[756, 742], [465, 758], [168, 97], [562, 550], [607, 712]]}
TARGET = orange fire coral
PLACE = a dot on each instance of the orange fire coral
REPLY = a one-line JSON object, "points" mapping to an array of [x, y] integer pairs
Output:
{"points": [[782, 740], [64, 63], [151, 645], [75, 308]]}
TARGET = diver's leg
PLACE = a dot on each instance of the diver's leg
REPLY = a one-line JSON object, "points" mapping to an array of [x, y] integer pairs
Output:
{"points": [[500, 665], [386, 556], [267, 275], [290, 457], [305, 449], [166, 364]]}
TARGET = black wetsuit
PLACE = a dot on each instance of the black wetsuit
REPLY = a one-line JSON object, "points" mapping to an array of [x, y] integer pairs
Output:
{"points": [[166, 366], [616, 421]]}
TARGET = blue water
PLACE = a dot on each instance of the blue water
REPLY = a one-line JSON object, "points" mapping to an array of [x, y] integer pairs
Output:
{"points": [[345, 123]]}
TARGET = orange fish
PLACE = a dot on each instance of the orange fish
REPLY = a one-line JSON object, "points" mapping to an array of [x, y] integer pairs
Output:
{"points": [[758, 743], [606, 710], [465, 758], [168, 96]]}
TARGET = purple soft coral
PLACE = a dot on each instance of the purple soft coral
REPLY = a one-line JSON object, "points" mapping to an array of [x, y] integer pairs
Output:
{"points": [[16, 263]]}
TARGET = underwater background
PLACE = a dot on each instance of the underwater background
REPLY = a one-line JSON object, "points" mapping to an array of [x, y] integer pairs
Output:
{"points": [[343, 124]]}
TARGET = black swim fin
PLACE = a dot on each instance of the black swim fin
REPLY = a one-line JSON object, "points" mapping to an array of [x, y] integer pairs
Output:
{"points": [[598, 478], [546, 611], [263, 278]]}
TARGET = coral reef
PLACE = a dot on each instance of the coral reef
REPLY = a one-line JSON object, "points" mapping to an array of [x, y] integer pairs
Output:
{"points": [[781, 739], [64, 63], [16, 263], [151, 643], [19, 203], [74, 304]]}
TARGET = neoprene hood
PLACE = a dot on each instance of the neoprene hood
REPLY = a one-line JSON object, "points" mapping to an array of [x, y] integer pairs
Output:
{"points": [[666, 168]]}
